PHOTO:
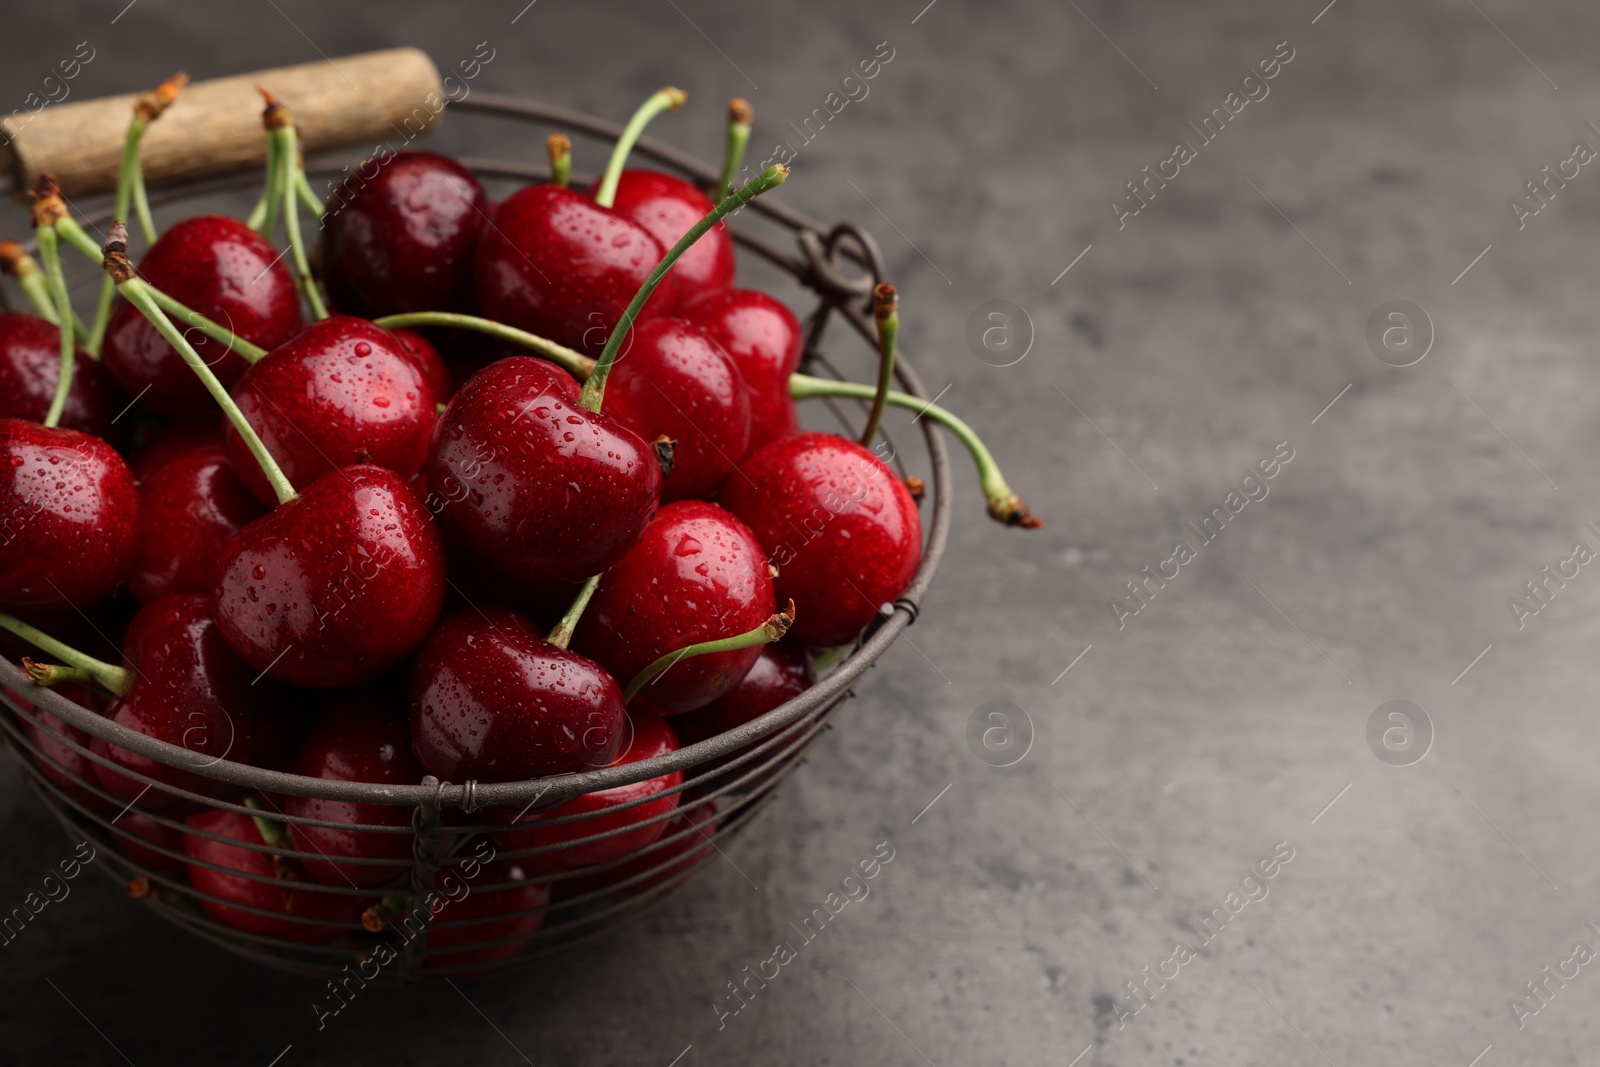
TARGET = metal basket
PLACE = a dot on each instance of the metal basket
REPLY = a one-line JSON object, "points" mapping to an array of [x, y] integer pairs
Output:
{"points": [[735, 773]]}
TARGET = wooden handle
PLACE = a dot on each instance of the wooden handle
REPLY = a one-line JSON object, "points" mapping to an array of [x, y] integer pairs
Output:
{"points": [[215, 126]]}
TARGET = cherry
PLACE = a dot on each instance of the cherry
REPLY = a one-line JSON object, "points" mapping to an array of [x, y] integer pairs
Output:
{"points": [[135, 832], [299, 912], [666, 207], [190, 506], [402, 240], [69, 516], [780, 673], [839, 525], [357, 738], [651, 737], [341, 391], [57, 760], [169, 442], [226, 271], [688, 836], [336, 585], [435, 370], [498, 906], [559, 265], [491, 699], [765, 340], [184, 685], [678, 383], [30, 364], [697, 574], [532, 483]]}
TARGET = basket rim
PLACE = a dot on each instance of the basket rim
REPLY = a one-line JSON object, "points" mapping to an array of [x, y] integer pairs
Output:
{"points": [[550, 791]]}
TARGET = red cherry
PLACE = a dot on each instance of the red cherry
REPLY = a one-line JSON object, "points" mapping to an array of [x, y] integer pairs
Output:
{"points": [[781, 673], [499, 906], [402, 239], [691, 831], [299, 913], [342, 391], [765, 340], [491, 699], [190, 506], [557, 264], [335, 586], [358, 738], [69, 516], [668, 207], [651, 737], [677, 382], [188, 689], [532, 483], [135, 833], [435, 370], [696, 575], [171, 441], [227, 272], [839, 525], [57, 760], [30, 364]]}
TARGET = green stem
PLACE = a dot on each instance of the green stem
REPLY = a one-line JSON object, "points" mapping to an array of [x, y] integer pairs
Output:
{"points": [[308, 196], [272, 832], [75, 236], [771, 630], [52, 674], [141, 205], [559, 148], [1004, 505], [126, 175], [575, 363], [594, 390], [138, 294], [50, 252], [117, 680], [30, 278], [668, 99], [739, 115], [886, 313], [561, 636], [264, 216], [289, 167]]}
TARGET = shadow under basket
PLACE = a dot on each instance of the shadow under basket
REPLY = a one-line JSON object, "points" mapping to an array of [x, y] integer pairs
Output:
{"points": [[448, 908]]}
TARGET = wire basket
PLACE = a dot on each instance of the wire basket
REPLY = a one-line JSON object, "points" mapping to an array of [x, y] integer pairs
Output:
{"points": [[405, 930]]}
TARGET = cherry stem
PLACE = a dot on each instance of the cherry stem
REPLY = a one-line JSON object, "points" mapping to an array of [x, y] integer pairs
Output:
{"points": [[50, 674], [739, 115], [886, 313], [50, 252], [308, 196], [138, 294], [30, 278], [116, 680], [594, 390], [561, 636], [73, 234], [667, 99], [263, 217], [575, 363], [289, 166], [272, 832], [559, 147], [771, 630], [1004, 505]]}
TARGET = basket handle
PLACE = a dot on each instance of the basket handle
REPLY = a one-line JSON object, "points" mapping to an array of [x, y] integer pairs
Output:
{"points": [[375, 98]]}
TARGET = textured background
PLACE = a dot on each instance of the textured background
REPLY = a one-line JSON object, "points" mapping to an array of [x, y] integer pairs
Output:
{"points": [[1177, 751]]}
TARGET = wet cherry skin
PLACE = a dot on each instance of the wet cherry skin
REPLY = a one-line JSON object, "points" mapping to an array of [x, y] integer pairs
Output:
{"points": [[342, 391], [518, 894], [697, 574], [190, 506], [533, 484], [293, 905], [765, 340], [69, 516], [336, 586], [668, 208], [169, 442], [359, 737], [189, 689], [557, 264], [402, 240], [837, 523], [781, 672], [691, 831], [651, 737], [492, 700], [30, 364], [227, 272], [679, 383]]}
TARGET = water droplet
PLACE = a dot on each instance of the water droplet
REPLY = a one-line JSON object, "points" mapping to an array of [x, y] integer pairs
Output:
{"points": [[363, 349], [687, 546], [259, 573]]}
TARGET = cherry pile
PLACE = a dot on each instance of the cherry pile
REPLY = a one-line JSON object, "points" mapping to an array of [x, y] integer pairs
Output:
{"points": [[499, 491]]}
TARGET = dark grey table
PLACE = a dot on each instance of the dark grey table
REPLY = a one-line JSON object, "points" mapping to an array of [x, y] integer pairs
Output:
{"points": [[1173, 350]]}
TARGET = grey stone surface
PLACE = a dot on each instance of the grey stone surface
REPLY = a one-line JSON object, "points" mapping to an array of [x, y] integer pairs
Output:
{"points": [[1225, 718]]}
